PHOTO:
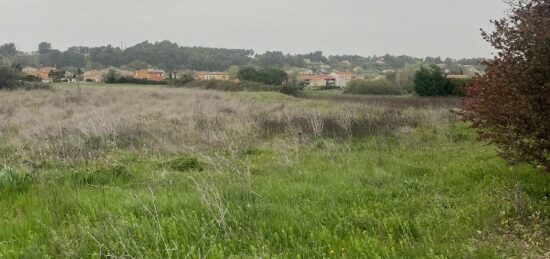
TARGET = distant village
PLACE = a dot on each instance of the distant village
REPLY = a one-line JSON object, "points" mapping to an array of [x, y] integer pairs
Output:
{"points": [[320, 78], [163, 61], [51, 74]]}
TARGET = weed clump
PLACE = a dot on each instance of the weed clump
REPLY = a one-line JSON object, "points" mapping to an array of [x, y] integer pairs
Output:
{"points": [[12, 180], [183, 164], [101, 176]]}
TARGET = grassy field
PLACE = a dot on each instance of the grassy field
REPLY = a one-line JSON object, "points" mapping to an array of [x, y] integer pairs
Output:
{"points": [[175, 173]]}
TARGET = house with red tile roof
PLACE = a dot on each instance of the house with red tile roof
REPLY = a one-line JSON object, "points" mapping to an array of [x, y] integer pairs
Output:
{"points": [[342, 78], [150, 74], [317, 81], [93, 76], [201, 75]]}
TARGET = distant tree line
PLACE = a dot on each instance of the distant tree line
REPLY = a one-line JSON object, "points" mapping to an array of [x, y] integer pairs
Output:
{"points": [[165, 55], [170, 56]]}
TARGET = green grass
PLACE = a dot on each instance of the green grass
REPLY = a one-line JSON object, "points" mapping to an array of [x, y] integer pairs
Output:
{"points": [[425, 195]]}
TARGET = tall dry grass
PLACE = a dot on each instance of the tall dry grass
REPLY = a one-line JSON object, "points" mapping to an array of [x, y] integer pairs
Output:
{"points": [[75, 124]]}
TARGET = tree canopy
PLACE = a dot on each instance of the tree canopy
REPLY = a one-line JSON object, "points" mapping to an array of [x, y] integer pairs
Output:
{"points": [[510, 104], [432, 82], [9, 76], [269, 76], [171, 57], [8, 50]]}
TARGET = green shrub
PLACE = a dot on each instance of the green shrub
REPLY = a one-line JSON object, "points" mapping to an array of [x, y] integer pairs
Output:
{"points": [[432, 82], [269, 76], [372, 87], [460, 85], [9, 78], [182, 164], [291, 90], [181, 81], [31, 78], [133, 80]]}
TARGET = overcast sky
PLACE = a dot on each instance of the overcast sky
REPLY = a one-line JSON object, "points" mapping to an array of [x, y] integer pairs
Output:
{"points": [[363, 27]]}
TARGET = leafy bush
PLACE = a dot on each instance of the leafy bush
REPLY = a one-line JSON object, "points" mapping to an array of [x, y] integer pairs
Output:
{"points": [[432, 82], [460, 85], [9, 78], [181, 81], [510, 104], [183, 164], [372, 87], [269, 76], [31, 78], [257, 86], [138, 81], [291, 90]]}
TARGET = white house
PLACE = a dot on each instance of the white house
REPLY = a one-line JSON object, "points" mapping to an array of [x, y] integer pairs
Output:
{"points": [[342, 78]]}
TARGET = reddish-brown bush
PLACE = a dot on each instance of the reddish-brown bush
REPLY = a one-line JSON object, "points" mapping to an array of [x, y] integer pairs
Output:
{"points": [[510, 104]]}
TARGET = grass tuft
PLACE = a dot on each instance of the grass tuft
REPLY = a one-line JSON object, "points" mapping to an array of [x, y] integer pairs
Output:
{"points": [[182, 164]]}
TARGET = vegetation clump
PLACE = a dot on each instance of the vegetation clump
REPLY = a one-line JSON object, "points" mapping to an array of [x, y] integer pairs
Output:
{"points": [[183, 164], [510, 104], [10, 78], [268, 76], [112, 77], [292, 90], [372, 87], [180, 81], [432, 82], [106, 175]]}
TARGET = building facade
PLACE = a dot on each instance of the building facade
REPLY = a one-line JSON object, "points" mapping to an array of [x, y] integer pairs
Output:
{"points": [[150, 74], [317, 81], [342, 78], [211, 76], [95, 76]]}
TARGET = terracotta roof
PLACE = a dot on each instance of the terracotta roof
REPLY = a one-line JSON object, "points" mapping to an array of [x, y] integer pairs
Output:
{"points": [[46, 69], [92, 73], [315, 77], [209, 73]]}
